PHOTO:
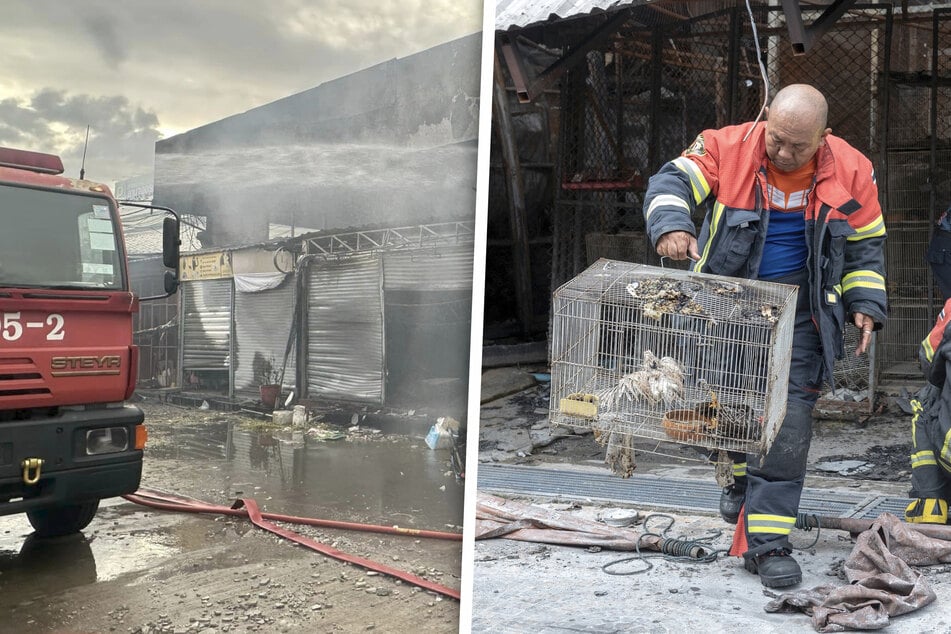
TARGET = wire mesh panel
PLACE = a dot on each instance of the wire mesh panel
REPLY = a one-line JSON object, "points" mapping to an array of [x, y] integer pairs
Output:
{"points": [[671, 356], [918, 185]]}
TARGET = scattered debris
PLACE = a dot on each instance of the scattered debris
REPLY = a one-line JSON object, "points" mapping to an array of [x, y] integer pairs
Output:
{"points": [[844, 467]]}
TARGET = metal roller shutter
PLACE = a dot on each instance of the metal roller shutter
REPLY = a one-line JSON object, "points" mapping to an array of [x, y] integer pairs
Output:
{"points": [[345, 329], [444, 268], [206, 324], [262, 326]]}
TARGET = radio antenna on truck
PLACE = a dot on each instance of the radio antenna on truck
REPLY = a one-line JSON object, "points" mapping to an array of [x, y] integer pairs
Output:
{"points": [[82, 168]]}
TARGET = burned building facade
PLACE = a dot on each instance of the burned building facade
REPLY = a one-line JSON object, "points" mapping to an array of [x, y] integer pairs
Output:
{"points": [[336, 236]]}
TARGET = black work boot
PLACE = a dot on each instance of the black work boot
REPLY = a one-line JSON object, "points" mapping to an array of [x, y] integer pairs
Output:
{"points": [[776, 569], [731, 501]]}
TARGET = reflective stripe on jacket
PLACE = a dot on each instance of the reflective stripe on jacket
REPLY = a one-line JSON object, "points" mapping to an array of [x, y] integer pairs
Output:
{"points": [[845, 231], [938, 342]]}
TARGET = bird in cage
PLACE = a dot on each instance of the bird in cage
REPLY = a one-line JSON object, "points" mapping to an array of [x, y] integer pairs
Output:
{"points": [[658, 380], [757, 313], [733, 421], [619, 452]]}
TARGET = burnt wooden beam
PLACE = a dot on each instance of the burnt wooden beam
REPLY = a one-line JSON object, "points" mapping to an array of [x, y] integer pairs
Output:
{"points": [[529, 88], [515, 188], [803, 36]]}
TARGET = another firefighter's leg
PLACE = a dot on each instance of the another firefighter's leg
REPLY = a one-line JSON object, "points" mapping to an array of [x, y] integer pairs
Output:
{"points": [[929, 482], [744, 366], [733, 495]]}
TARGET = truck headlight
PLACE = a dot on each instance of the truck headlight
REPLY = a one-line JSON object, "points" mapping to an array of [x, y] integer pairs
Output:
{"points": [[106, 440]]}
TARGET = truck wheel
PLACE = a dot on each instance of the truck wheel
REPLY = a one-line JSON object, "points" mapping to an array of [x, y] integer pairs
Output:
{"points": [[62, 520]]}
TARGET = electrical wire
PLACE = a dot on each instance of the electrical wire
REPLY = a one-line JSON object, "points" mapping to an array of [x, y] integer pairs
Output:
{"points": [[806, 522], [672, 549], [762, 71], [695, 550]]}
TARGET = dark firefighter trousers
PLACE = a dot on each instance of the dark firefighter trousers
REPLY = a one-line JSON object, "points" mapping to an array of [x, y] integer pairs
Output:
{"points": [[774, 484], [931, 451]]}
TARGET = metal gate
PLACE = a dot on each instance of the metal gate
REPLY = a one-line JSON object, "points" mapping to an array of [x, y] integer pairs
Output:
{"points": [[156, 325], [918, 189], [263, 323], [206, 334], [344, 333]]}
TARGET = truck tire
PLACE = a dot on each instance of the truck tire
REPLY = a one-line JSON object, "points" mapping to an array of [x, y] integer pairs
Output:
{"points": [[62, 520]]}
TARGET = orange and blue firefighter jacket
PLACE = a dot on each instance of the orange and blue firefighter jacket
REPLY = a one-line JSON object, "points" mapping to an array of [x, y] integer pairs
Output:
{"points": [[845, 231]]}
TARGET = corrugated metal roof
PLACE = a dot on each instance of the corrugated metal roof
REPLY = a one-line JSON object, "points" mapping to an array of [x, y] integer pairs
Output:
{"points": [[511, 14], [518, 14]]}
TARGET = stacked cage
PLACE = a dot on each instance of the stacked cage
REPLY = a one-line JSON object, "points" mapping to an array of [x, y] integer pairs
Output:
{"points": [[671, 356]]}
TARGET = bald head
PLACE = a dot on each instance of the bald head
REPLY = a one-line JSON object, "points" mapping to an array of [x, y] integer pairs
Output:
{"points": [[796, 126], [803, 102]]}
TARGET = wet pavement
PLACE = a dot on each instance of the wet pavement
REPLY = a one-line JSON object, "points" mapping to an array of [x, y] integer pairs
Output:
{"points": [[135, 569]]}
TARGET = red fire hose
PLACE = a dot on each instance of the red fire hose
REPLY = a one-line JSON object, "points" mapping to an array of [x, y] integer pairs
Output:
{"points": [[245, 507]]}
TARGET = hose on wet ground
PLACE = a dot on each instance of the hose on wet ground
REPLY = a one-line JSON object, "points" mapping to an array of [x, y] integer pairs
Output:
{"points": [[246, 507], [695, 550]]}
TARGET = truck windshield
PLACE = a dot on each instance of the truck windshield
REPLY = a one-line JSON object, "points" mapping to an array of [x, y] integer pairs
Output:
{"points": [[57, 239]]}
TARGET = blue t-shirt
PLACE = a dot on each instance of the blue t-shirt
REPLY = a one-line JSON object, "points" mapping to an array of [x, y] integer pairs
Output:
{"points": [[788, 193], [785, 248]]}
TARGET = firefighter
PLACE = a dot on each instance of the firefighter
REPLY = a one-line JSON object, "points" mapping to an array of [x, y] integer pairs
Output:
{"points": [[939, 254], [786, 201], [931, 428]]}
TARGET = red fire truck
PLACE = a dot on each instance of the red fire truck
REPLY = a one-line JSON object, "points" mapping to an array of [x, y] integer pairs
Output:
{"points": [[67, 361]]}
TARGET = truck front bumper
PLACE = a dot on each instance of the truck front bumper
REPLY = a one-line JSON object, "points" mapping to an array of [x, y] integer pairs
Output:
{"points": [[66, 475]]}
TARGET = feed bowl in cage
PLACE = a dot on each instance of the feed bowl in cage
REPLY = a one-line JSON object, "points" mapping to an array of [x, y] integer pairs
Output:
{"points": [[579, 405], [686, 425], [645, 342]]}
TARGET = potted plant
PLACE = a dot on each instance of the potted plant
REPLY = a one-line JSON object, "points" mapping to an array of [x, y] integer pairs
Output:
{"points": [[269, 382]]}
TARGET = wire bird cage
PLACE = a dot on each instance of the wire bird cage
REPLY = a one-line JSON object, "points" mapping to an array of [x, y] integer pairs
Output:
{"points": [[671, 356]]}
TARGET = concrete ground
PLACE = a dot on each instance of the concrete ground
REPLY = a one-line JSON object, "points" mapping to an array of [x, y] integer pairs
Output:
{"points": [[542, 588], [522, 587]]}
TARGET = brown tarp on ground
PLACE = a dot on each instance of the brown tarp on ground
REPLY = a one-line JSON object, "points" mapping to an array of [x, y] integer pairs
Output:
{"points": [[499, 517], [882, 582]]}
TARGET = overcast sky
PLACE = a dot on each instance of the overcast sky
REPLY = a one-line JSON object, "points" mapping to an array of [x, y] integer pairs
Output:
{"points": [[137, 71]]}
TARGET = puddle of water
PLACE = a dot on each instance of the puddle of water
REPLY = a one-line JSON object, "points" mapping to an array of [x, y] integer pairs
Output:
{"points": [[202, 441], [391, 480], [32, 566], [388, 479]]}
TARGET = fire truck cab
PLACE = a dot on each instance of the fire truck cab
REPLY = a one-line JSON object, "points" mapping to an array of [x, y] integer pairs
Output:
{"points": [[68, 364]]}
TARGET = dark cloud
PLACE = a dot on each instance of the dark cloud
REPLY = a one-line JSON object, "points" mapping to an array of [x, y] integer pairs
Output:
{"points": [[108, 38], [129, 69]]}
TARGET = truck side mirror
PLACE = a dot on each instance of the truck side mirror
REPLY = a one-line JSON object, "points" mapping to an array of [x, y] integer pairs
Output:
{"points": [[171, 282], [170, 246]]}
